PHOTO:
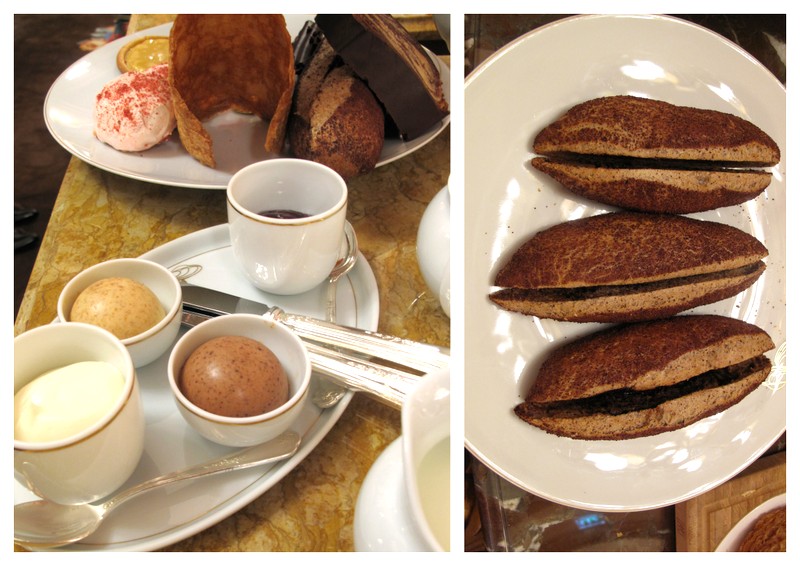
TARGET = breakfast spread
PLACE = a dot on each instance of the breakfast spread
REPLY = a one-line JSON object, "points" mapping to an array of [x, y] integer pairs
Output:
{"points": [[627, 266], [358, 77], [652, 156], [134, 111], [142, 53], [120, 305], [234, 376], [65, 401], [768, 534], [225, 62], [646, 378]]}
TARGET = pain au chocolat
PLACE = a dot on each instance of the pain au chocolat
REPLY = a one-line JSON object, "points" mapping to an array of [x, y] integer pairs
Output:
{"points": [[627, 266], [646, 378], [653, 156]]}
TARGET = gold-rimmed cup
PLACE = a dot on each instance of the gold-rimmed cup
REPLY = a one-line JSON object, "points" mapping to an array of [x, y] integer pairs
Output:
{"points": [[286, 219], [252, 430], [88, 464], [151, 344]]}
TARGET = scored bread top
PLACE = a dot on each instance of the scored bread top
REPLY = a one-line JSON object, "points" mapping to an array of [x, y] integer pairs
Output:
{"points": [[643, 128], [646, 355], [623, 248]]}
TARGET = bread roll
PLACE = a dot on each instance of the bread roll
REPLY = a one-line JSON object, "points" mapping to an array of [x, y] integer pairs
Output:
{"points": [[627, 266], [336, 119], [652, 156], [646, 378]]}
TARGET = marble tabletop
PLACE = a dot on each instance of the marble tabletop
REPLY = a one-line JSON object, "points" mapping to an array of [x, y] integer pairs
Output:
{"points": [[99, 216]]}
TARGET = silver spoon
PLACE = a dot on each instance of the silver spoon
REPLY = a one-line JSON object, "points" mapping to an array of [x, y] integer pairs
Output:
{"points": [[327, 393], [44, 524], [343, 265]]}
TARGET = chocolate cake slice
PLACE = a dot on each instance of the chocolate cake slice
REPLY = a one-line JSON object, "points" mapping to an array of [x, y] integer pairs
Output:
{"points": [[393, 64]]}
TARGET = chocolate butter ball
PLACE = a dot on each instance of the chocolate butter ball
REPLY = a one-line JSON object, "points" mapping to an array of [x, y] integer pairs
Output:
{"points": [[234, 376]]}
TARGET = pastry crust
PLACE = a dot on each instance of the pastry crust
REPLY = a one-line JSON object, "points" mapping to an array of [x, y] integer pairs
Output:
{"points": [[631, 126], [222, 62]]}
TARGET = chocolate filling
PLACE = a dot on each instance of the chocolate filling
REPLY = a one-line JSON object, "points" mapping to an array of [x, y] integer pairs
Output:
{"points": [[626, 400], [592, 292], [622, 162]]}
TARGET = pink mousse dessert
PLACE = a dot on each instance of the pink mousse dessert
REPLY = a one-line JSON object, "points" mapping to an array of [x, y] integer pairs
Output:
{"points": [[134, 111]]}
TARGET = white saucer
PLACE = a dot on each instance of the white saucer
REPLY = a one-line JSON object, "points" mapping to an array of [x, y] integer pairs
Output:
{"points": [[383, 521]]}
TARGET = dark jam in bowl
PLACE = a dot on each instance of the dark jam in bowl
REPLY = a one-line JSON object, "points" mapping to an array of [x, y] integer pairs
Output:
{"points": [[283, 214]]}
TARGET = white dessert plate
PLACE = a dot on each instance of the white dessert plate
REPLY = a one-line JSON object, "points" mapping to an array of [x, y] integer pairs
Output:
{"points": [[383, 520], [68, 115], [508, 100], [734, 538], [168, 515]]}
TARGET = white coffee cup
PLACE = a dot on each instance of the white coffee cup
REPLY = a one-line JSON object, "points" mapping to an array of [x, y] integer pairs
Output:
{"points": [[286, 255], [95, 462]]}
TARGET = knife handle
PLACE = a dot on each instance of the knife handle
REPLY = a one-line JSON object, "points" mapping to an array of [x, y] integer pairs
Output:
{"points": [[414, 355], [390, 386]]}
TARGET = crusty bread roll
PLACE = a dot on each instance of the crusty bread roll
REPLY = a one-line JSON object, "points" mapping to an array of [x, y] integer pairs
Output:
{"points": [[652, 156], [627, 266], [646, 378], [335, 119]]}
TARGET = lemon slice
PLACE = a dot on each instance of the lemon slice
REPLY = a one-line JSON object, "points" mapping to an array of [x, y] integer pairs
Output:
{"points": [[143, 53]]}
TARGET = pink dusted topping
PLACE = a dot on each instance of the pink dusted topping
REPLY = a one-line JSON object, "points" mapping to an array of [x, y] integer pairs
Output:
{"points": [[134, 111]]}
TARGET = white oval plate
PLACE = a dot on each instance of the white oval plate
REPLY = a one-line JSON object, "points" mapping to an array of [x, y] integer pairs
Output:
{"points": [[68, 115], [168, 515], [508, 100], [734, 538]]}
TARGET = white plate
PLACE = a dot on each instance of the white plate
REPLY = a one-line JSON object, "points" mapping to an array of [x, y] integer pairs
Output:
{"points": [[383, 520], [508, 100], [734, 538], [68, 115], [167, 515]]}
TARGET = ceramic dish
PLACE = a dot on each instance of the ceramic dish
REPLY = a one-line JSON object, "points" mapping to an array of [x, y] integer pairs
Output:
{"points": [[68, 115], [433, 247], [168, 515], [509, 99], [734, 538]]}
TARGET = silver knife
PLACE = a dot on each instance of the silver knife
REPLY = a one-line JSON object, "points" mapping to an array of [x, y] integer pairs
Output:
{"points": [[384, 366]]}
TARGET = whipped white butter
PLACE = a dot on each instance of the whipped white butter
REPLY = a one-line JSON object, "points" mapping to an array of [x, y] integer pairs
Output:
{"points": [[66, 401]]}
